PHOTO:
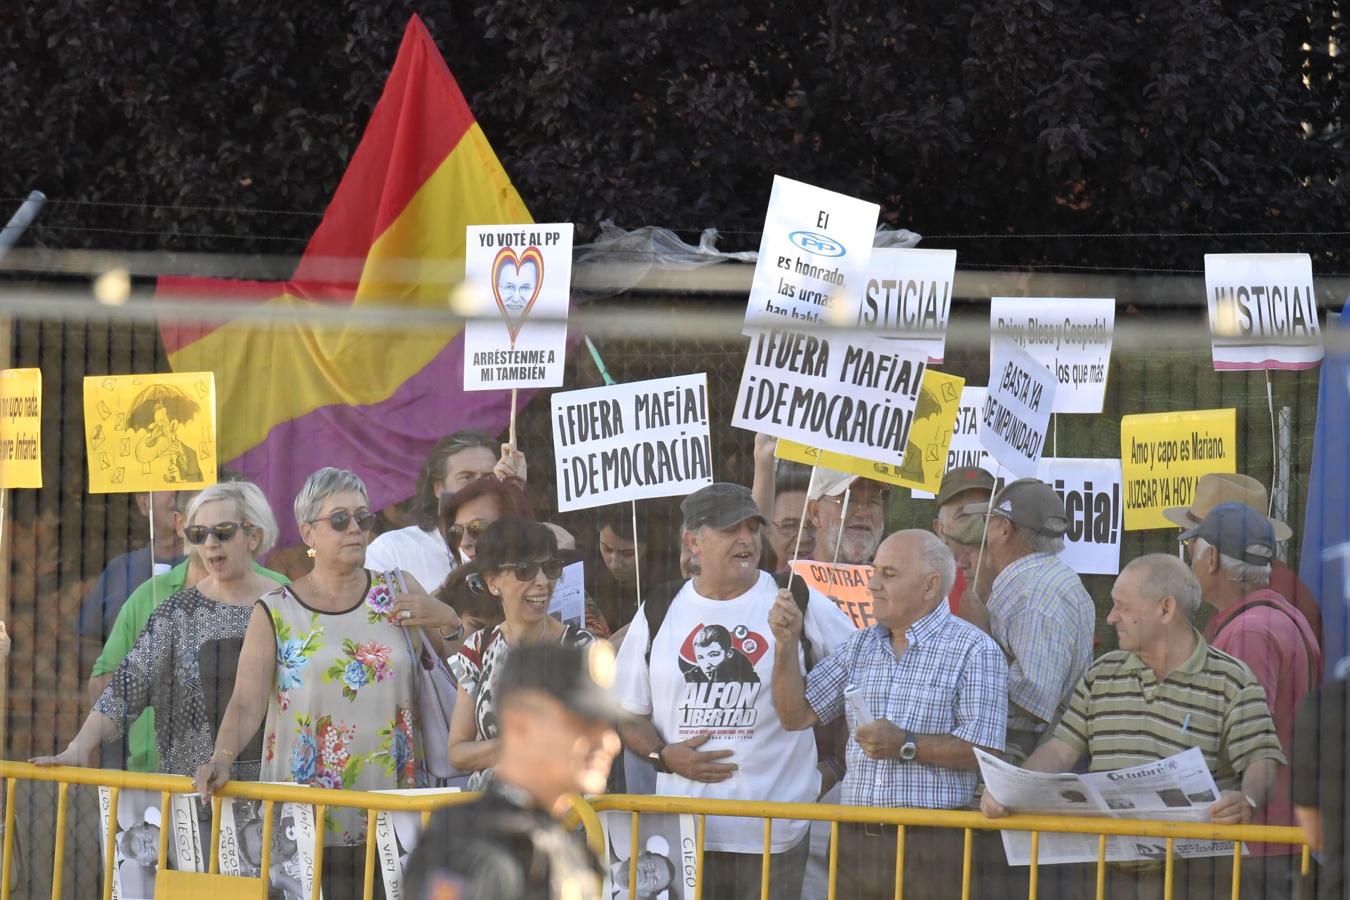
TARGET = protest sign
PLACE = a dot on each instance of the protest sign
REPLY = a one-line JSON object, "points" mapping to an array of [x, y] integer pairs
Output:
{"points": [[813, 256], [396, 835], [631, 441], [845, 585], [1262, 311], [1069, 336], [20, 428], [965, 448], [1164, 454], [1091, 491], [925, 451], [1016, 411], [908, 295], [519, 281], [847, 392], [150, 432]]}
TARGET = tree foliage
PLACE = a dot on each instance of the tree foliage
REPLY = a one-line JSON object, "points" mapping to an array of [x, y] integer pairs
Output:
{"points": [[1003, 116]]}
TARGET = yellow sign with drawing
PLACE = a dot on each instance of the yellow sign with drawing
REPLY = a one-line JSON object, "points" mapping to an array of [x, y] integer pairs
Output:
{"points": [[930, 434], [21, 428], [150, 432]]}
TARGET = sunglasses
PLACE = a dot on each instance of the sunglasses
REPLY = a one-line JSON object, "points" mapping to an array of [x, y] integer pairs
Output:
{"points": [[224, 532], [365, 520], [552, 569], [472, 529]]}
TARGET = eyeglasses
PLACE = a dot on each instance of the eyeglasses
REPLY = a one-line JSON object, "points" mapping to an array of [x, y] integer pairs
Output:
{"points": [[365, 520], [552, 569], [224, 532], [473, 529]]}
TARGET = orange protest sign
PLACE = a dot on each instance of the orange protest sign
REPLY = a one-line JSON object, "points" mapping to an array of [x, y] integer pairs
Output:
{"points": [[845, 585]]}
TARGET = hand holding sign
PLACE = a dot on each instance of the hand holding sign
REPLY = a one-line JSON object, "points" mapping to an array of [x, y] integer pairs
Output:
{"points": [[785, 619]]}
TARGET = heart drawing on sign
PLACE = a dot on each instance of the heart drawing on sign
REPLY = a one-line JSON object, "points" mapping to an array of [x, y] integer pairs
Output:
{"points": [[516, 282]]}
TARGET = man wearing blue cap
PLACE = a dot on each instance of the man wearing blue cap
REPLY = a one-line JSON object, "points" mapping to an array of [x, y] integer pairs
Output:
{"points": [[1231, 552]]}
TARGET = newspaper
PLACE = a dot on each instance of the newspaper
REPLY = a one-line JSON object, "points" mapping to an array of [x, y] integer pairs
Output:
{"points": [[1179, 787], [396, 835], [291, 866], [666, 856]]}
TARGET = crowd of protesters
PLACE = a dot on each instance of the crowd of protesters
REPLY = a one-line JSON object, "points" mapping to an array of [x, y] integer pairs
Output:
{"points": [[737, 681]]}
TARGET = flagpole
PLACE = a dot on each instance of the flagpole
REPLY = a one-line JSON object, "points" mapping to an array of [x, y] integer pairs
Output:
{"points": [[154, 585], [1274, 446], [843, 514], [637, 557], [984, 532], [512, 438]]}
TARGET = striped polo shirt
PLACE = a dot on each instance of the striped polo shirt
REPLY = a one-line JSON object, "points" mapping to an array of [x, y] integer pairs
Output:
{"points": [[1121, 715]]}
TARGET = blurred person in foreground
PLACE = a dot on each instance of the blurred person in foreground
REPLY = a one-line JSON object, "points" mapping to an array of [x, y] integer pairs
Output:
{"points": [[455, 461], [557, 740], [1166, 689], [516, 562], [328, 662], [1231, 552], [1036, 606], [1321, 786], [719, 736], [937, 687], [182, 664]]}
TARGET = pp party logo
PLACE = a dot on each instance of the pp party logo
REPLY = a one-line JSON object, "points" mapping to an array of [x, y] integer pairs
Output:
{"points": [[516, 282]]}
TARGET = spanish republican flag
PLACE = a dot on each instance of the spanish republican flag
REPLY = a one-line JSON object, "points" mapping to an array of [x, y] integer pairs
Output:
{"points": [[294, 396]]}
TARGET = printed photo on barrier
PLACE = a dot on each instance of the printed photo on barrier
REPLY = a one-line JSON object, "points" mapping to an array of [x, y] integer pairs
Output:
{"points": [[20, 428], [908, 295], [1163, 455], [150, 432], [846, 585], [396, 835], [666, 859], [1070, 336], [138, 820], [846, 392], [813, 256], [1262, 311], [517, 287], [291, 872], [631, 441], [1016, 412], [926, 449]]}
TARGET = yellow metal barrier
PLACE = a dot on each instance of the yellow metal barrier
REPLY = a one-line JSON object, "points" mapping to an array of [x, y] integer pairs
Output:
{"points": [[211, 884], [968, 822], [585, 815]]}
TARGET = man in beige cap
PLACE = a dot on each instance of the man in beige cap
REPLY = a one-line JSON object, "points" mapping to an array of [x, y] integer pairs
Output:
{"points": [[960, 487], [1226, 487]]}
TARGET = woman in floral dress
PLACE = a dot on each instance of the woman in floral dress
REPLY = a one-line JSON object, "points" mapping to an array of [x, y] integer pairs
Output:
{"points": [[517, 564], [329, 661]]}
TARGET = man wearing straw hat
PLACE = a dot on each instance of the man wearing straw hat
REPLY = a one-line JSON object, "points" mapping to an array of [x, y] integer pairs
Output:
{"points": [[1228, 487]]}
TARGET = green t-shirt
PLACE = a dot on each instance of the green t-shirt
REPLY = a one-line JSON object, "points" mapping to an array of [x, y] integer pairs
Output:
{"points": [[141, 753]]}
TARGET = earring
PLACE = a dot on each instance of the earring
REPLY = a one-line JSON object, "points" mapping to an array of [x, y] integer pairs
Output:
{"points": [[310, 553]]}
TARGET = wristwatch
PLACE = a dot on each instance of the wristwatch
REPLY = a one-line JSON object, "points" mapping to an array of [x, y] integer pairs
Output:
{"points": [[657, 762], [908, 749]]}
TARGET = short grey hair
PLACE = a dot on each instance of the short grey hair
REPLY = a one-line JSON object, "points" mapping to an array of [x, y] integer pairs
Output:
{"points": [[1237, 571], [1163, 575], [1037, 542], [936, 558], [248, 499], [323, 484]]}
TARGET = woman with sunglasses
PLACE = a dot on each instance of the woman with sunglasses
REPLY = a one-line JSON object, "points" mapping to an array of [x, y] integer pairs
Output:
{"points": [[468, 512], [517, 564], [328, 660], [182, 664]]}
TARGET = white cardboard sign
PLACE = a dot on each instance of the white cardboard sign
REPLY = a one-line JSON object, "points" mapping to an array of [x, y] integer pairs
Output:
{"points": [[908, 295], [1069, 336], [569, 595], [847, 392], [631, 441], [813, 256], [1016, 411], [1093, 499], [519, 281], [1262, 311], [965, 448]]}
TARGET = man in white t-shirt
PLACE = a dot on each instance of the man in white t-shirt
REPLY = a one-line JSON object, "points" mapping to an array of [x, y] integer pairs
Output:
{"points": [[703, 711], [421, 550]]}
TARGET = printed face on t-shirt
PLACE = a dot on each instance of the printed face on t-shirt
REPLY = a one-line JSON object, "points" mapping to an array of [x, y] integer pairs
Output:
{"points": [[709, 657]]}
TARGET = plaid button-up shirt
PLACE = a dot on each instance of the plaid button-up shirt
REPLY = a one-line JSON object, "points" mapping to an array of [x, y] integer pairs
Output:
{"points": [[951, 680], [1043, 618]]}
